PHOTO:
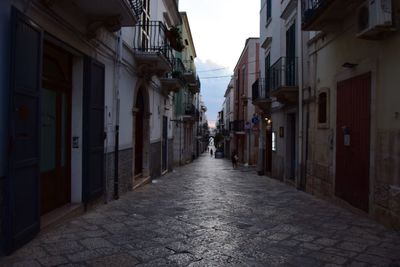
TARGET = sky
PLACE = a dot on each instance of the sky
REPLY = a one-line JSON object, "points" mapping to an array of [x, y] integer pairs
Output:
{"points": [[219, 30]]}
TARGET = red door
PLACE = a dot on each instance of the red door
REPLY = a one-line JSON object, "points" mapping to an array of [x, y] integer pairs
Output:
{"points": [[352, 141]]}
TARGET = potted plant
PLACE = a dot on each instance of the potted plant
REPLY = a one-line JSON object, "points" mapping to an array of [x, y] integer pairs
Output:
{"points": [[175, 39]]}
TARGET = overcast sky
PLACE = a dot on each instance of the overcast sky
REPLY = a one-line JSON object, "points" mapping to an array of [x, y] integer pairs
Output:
{"points": [[219, 29]]}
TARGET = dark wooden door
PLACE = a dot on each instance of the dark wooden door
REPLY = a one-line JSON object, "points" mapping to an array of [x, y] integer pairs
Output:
{"points": [[291, 137], [55, 160], [22, 218], [352, 141], [93, 130], [165, 144], [290, 64], [139, 134]]}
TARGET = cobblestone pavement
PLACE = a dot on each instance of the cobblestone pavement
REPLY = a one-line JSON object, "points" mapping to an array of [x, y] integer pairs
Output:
{"points": [[206, 214]]}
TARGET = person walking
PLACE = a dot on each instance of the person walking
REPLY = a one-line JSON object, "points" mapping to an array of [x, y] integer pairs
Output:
{"points": [[234, 158]]}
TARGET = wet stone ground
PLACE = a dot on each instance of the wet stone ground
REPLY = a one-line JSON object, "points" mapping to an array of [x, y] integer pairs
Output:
{"points": [[206, 214]]}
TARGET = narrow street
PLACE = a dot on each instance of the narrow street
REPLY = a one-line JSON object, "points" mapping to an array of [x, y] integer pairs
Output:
{"points": [[206, 214]]}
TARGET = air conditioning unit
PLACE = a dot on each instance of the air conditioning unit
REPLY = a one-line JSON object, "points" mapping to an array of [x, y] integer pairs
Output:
{"points": [[375, 18]]}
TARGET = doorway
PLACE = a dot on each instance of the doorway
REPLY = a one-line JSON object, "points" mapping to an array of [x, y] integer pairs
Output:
{"points": [[352, 141], [291, 137], [139, 134], [55, 160], [165, 144]]}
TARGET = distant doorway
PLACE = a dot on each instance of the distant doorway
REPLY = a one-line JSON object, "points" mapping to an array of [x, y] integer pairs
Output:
{"points": [[139, 134], [165, 144], [55, 167], [291, 150]]}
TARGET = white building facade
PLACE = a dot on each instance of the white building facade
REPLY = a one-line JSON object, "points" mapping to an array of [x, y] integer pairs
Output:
{"points": [[86, 81]]}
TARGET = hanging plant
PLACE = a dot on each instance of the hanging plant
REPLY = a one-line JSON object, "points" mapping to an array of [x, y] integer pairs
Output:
{"points": [[175, 39]]}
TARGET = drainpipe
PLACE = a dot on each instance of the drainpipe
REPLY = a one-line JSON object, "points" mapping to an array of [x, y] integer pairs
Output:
{"points": [[117, 64], [300, 73]]}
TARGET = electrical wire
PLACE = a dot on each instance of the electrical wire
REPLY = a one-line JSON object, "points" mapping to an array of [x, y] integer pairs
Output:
{"points": [[224, 68], [212, 70]]}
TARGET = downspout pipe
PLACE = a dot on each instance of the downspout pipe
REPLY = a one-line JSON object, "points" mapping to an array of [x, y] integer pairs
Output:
{"points": [[117, 64], [300, 76]]}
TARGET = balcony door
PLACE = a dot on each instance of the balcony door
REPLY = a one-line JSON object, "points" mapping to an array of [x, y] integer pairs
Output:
{"points": [[290, 64], [139, 134]]}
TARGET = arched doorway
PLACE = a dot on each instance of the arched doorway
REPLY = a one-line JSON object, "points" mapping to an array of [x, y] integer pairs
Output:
{"points": [[139, 134]]}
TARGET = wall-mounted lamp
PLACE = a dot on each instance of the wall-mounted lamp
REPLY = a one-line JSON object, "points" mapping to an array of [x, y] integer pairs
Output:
{"points": [[349, 65]]}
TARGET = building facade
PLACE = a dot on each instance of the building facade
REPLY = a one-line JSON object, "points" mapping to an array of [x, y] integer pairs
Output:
{"points": [[353, 120], [327, 92], [187, 102], [87, 104], [244, 125]]}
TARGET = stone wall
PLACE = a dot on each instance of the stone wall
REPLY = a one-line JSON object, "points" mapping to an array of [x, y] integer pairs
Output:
{"points": [[170, 154], [155, 159], [177, 145], [319, 180], [386, 194], [124, 172], [277, 167]]}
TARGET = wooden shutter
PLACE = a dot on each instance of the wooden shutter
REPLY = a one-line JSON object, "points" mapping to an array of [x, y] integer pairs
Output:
{"points": [[22, 220], [93, 130]]}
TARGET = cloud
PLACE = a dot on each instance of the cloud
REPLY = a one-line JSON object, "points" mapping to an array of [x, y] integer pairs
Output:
{"points": [[219, 29], [213, 89]]}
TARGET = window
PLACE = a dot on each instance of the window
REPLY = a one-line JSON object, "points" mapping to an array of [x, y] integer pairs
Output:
{"points": [[323, 108], [273, 141], [269, 11], [243, 79], [145, 36], [322, 99], [238, 83], [267, 71]]}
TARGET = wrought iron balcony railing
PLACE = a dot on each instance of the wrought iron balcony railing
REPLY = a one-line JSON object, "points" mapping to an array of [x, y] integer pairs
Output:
{"points": [[283, 73], [149, 37], [236, 126], [190, 72], [260, 89], [312, 7], [137, 7], [177, 69], [190, 110], [326, 14], [225, 132]]}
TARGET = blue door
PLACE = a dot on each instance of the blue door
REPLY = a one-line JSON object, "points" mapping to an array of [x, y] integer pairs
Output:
{"points": [[93, 130], [22, 220]]}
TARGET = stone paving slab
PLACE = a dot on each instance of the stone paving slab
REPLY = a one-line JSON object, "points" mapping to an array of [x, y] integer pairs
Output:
{"points": [[207, 214]]}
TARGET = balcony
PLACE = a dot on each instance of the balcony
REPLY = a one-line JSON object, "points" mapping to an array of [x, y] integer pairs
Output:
{"points": [[110, 14], [284, 80], [190, 73], [195, 86], [190, 112], [153, 53], [237, 126], [261, 97], [326, 15], [226, 132], [174, 81]]}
